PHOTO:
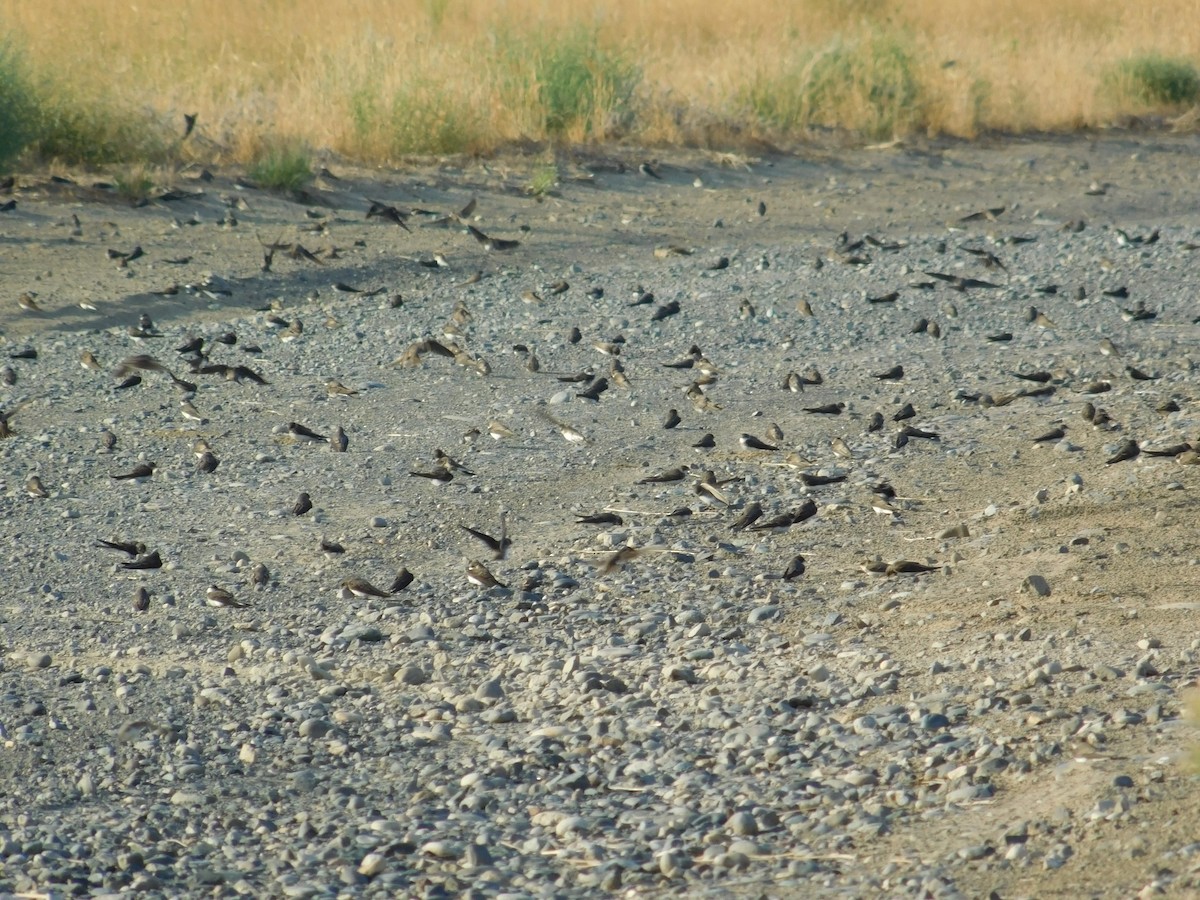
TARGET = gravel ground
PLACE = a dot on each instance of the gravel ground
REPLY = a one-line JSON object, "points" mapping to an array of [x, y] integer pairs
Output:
{"points": [[947, 659]]}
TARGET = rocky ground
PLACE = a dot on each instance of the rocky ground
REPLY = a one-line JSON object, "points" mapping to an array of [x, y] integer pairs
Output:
{"points": [[666, 701]]}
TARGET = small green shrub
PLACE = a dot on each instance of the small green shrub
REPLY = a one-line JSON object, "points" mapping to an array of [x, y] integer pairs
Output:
{"points": [[133, 183], [18, 106], [868, 85], [418, 118], [543, 180], [282, 165], [1154, 80], [568, 81]]}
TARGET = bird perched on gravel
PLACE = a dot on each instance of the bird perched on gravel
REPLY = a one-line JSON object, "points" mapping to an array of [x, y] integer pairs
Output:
{"points": [[478, 575], [362, 588], [219, 598]]}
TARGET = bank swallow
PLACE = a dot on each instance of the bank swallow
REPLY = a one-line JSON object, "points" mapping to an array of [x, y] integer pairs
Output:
{"points": [[709, 492], [570, 434], [207, 463], [108, 440], [907, 567], [478, 574], [331, 547], [670, 475], [449, 463], [601, 518], [336, 388], [498, 545], [491, 243], [142, 470], [895, 373], [805, 511], [707, 442], [131, 382], [437, 476], [219, 598], [1138, 375], [618, 559], [27, 302], [794, 569], [339, 442], [832, 409], [388, 213], [700, 400], [88, 361], [1052, 436], [35, 488], [190, 412], [498, 430], [750, 442], [665, 311], [672, 419], [149, 561], [810, 480], [1128, 450], [302, 433], [752, 512], [302, 505], [402, 580], [1172, 450], [905, 412], [617, 373], [142, 361], [961, 284], [132, 548], [363, 589], [594, 390]]}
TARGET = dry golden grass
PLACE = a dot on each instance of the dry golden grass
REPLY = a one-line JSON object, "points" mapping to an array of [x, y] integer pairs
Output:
{"points": [[377, 79]]}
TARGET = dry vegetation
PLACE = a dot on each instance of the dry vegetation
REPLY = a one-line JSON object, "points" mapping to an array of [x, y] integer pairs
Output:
{"points": [[379, 79]]}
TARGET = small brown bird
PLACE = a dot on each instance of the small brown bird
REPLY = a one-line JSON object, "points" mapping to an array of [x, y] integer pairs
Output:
{"points": [[35, 488], [498, 545], [219, 598], [363, 589], [907, 567], [1128, 450], [478, 574], [794, 569], [150, 561], [142, 470], [618, 559], [402, 580]]}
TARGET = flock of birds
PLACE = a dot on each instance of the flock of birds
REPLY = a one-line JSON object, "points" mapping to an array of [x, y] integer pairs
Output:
{"points": [[197, 356]]}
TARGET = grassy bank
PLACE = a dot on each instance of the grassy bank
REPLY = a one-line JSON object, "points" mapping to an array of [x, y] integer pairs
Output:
{"points": [[376, 80]]}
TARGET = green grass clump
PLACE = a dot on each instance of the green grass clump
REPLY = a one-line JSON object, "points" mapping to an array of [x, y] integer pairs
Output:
{"points": [[282, 165], [18, 106], [417, 118], [869, 85], [543, 180], [133, 183], [567, 83], [579, 83], [1154, 80]]}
